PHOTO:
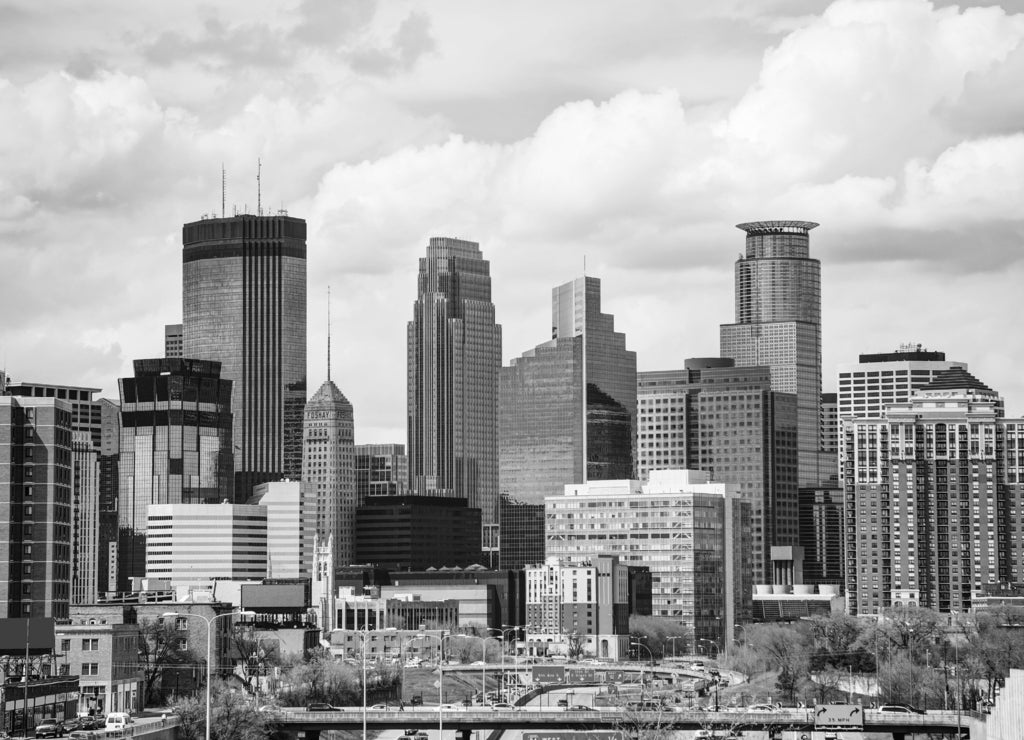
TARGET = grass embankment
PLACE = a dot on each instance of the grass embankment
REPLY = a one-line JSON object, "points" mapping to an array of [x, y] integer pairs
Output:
{"points": [[458, 685]]}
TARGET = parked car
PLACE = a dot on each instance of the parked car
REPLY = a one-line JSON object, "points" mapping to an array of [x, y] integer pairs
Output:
{"points": [[50, 727], [117, 721], [320, 706]]}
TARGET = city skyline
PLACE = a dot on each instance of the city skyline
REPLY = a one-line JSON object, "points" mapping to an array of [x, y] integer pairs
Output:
{"points": [[637, 155]]}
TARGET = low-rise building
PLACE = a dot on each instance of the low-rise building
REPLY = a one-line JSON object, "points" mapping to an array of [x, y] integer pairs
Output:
{"points": [[105, 657]]}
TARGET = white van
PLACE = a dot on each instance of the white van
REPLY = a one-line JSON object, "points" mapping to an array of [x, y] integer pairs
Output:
{"points": [[119, 721]]}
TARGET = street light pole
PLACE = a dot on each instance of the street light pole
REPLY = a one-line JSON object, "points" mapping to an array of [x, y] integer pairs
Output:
{"points": [[440, 682], [209, 651], [639, 644]]}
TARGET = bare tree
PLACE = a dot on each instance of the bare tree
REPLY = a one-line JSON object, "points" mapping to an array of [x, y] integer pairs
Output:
{"points": [[160, 648]]}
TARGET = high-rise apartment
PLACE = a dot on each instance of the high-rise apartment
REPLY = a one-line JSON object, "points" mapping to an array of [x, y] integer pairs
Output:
{"points": [[934, 492], [175, 447], [381, 470], [878, 380], [693, 535], [244, 306], [328, 468], [567, 412], [174, 341], [35, 506], [454, 357], [728, 421], [778, 322]]}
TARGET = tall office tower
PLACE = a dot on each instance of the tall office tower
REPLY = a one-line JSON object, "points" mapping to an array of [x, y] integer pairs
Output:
{"points": [[868, 386], [35, 506], [174, 341], [328, 469], [175, 448], [934, 503], [699, 556], [244, 306], [454, 356], [85, 519], [778, 322], [567, 413], [109, 449], [729, 422], [381, 470], [291, 528], [186, 543], [821, 536], [522, 532]]}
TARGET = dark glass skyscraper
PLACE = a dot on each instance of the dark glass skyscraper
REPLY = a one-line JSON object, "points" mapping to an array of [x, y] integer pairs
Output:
{"points": [[567, 415], [454, 348], [778, 322], [175, 447], [244, 306]]}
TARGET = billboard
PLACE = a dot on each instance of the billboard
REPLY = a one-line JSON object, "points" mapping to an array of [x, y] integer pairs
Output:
{"points": [[839, 717], [277, 597], [34, 634], [549, 674]]}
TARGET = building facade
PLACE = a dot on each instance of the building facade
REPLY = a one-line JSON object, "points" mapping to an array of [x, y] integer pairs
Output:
{"points": [[244, 306], [175, 448], [933, 496], [778, 322], [35, 506], [381, 470], [85, 519], [417, 532], [174, 340], [328, 468], [454, 357], [728, 421], [206, 542], [693, 535], [291, 528], [105, 657], [567, 414]]}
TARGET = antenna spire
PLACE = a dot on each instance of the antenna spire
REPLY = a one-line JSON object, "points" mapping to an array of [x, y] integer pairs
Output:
{"points": [[223, 188], [259, 194], [328, 333]]}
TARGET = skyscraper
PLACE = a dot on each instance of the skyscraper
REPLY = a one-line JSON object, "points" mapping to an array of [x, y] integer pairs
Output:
{"points": [[175, 447], [934, 496], [727, 420], [328, 469], [85, 519], [381, 470], [454, 357], [567, 414], [244, 306], [35, 506], [778, 322], [879, 379]]}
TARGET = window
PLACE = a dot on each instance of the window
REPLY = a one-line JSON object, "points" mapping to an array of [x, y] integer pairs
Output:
{"points": [[90, 669], [182, 644], [181, 624], [91, 643], [65, 645]]}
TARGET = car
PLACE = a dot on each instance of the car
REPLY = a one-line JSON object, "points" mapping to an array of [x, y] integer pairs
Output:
{"points": [[83, 735], [563, 702], [714, 672], [580, 708], [761, 708], [72, 723], [416, 700], [502, 705], [320, 706], [451, 708], [379, 707], [697, 665], [50, 727], [478, 662], [117, 721], [899, 709], [723, 681]]}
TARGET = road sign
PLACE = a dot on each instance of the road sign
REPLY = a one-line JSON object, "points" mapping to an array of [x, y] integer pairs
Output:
{"points": [[839, 717], [575, 735], [549, 674], [582, 675]]}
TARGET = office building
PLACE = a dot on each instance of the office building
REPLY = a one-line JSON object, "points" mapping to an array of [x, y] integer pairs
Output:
{"points": [[85, 519], [567, 412], [109, 481], [878, 380], [174, 341], [454, 356], [417, 532], [693, 535], [244, 306], [933, 492], [291, 527], [522, 532], [206, 542], [778, 322], [585, 601], [175, 448], [86, 415], [728, 421], [501, 603], [381, 470], [35, 506], [328, 468], [822, 536]]}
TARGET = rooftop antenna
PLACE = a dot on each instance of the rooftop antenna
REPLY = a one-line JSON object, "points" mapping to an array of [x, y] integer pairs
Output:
{"points": [[259, 196], [223, 188], [328, 333], [584, 265]]}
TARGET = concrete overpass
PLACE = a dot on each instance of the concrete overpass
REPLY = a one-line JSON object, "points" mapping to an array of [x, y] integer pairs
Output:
{"points": [[463, 721]]}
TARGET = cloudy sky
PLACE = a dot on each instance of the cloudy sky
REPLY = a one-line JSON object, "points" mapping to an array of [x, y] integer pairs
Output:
{"points": [[636, 134]]}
